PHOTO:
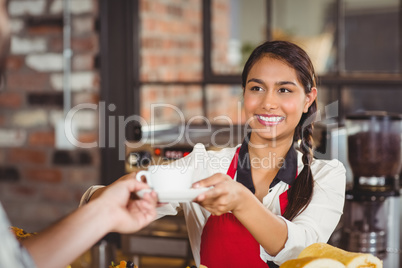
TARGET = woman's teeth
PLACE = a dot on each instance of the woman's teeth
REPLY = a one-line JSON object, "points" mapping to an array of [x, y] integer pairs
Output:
{"points": [[272, 119]]}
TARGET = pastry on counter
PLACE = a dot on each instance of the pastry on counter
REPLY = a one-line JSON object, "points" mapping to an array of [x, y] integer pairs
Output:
{"points": [[349, 259], [312, 262], [318, 254]]}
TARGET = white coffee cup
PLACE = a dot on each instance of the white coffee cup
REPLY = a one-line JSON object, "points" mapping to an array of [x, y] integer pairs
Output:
{"points": [[163, 177]]}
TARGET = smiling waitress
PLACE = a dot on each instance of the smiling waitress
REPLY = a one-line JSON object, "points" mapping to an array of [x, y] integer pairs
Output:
{"points": [[270, 200]]}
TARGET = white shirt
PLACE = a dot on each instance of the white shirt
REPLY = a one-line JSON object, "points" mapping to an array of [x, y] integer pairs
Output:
{"points": [[315, 224], [12, 253]]}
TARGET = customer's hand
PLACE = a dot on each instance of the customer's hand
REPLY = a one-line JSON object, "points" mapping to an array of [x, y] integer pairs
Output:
{"points": [[129, 213], [114, 210]]}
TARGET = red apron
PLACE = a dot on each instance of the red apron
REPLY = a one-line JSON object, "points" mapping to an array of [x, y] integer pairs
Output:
{"points": [[225, 242]]}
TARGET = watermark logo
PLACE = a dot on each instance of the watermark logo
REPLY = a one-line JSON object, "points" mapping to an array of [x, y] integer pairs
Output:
{"points": [[186, 133]]}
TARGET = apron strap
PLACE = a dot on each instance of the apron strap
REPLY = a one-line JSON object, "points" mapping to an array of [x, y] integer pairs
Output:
{"points": [[233, 165]]}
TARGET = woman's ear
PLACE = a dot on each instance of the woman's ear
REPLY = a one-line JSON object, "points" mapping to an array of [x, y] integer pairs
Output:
{"points": [[310, 98]]}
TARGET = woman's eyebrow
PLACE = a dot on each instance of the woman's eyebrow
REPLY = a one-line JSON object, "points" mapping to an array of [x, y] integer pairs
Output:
{"points": [[280, 83], [256, 80]]}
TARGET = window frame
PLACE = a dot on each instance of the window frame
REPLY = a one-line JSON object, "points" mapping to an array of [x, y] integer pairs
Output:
{"points": [[120, 36]]}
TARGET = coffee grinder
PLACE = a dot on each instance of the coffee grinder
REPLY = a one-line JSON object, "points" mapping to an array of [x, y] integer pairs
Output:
{"points": [[371, 214]]}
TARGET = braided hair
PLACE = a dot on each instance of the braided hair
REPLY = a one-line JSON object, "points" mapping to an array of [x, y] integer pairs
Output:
{"points": [[300, 194]]}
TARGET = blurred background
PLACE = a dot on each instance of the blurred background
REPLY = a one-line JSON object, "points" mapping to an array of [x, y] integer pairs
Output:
{"points": [[115, 59]]}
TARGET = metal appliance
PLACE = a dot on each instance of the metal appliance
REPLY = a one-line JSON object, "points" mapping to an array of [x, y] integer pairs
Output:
{"points": [[371, 217], [161, 144], [164, 143]]}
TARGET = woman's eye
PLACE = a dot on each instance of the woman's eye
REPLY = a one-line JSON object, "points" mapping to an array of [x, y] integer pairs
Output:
{"points": [[283, 90], [256, 89]]}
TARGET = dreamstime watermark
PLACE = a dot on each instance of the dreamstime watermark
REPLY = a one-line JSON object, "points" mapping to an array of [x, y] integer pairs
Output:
{"points": [[112, 128]]}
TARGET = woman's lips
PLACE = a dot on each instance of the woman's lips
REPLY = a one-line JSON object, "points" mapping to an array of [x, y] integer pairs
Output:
{"points": [[269, 120]]}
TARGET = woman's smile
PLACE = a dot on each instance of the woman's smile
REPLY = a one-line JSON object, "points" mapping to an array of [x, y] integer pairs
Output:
{"points": [[269, 120]]}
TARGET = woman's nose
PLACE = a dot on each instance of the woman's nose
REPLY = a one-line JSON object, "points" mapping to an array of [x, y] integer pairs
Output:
{"points": [[270, 101]]}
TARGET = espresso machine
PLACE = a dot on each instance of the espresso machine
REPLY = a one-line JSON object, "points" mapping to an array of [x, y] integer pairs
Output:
{"points": [[371, 219]]}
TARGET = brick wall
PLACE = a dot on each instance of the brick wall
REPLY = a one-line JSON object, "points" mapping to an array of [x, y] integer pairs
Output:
{"points": [[171, 40], [39, 183], [171, 51]]}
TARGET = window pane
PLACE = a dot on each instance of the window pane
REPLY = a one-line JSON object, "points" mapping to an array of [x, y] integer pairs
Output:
{"points": [[372, 35], [359, 98], [237, 27], [225, 104], [328, 103], [311, 25], [171, 40], [170, 104]]}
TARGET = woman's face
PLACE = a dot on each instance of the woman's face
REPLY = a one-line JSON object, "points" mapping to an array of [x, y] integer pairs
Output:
{"points": [[274, 100]]}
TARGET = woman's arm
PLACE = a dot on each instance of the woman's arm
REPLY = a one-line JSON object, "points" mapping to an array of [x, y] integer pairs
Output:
{"points": [[267, 228], [228, 195]]}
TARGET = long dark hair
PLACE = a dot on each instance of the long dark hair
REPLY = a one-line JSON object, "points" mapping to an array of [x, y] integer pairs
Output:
{"points": [[300, 194]]}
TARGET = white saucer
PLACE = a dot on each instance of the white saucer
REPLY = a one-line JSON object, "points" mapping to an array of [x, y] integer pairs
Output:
{"points": [[167, 196]]}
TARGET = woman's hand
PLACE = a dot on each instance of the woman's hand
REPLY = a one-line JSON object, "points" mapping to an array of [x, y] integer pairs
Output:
{"points": [[225, 195]]}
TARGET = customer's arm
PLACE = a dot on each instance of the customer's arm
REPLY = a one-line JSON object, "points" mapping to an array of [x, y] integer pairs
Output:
{"points": [[112, 211]]}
